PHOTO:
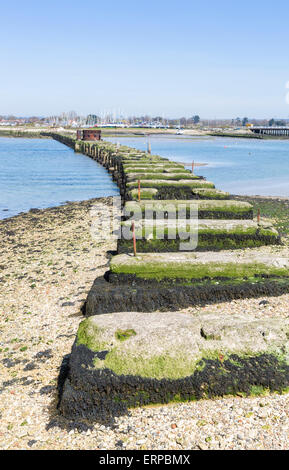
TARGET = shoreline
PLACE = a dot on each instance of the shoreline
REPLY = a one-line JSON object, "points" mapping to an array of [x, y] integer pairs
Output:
{"points": [[138, 132], [91, 200]]}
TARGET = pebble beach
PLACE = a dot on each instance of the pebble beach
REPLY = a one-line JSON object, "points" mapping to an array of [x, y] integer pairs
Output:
{"points": [[48, 263]]}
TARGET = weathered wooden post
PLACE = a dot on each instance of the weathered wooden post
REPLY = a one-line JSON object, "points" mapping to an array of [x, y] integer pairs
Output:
{"points": [[258, 215], [138, 195], [149, 147], [193, 164]]}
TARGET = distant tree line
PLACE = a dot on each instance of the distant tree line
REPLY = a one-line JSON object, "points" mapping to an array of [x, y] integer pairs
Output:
{"points": [[93, 119]]}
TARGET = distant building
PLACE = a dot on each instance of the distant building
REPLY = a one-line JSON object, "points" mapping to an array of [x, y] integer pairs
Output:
{"points": [[88, 134]]}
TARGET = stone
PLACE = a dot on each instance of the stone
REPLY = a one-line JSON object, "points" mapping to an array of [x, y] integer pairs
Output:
{"points": [[168, 234], [108, 297], [207, 209], [191, 183], [170, 359], [190, 267]]}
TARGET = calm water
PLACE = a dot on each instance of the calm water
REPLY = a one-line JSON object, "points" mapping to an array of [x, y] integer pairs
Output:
{"points": [[40, 173], [43, 173], [240, 166]]}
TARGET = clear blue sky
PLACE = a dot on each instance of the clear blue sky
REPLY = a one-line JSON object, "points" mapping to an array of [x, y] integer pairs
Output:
{"points": [[173, 58]]}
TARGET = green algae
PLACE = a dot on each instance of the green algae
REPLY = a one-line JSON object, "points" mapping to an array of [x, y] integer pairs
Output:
{"points": [[145, 193], [170, 365], [159, 176], [277, 210], [163, 239], [171, 183], [185, 270], [88, 334], [206, 193], [123, 335], [215, 208]]}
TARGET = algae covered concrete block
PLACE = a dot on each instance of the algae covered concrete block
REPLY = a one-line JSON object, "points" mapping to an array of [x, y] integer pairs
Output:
{"points": [[168, 189], [193, 267], [147, 193], [133, 359], [207, 209], [158, 175], [209, 193], [148, 296], [168, 234], [159, 184], [149, 166]]}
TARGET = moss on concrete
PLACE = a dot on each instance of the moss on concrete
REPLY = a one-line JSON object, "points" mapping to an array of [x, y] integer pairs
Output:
{"points": [[144, 168], [275, 209], [154, 268], [204, 244], [123, 335], [206, 193], [89, 334], [163, 184], [158, 366], [134, 176], [147, 193], [207, 209], [128, 358], [169, 228], [212, 235], [169, 360]]}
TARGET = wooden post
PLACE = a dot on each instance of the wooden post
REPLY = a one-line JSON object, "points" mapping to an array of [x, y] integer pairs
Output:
{"points": [[138, 195], [258, 216], [193, 164], [149, 146], [133, 237]]}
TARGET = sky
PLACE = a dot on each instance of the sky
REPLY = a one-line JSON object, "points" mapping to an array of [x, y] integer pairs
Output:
{"points": [[220, 59]]}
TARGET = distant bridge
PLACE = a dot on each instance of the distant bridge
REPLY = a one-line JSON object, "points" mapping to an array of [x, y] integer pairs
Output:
{"points": [[271, 130]]}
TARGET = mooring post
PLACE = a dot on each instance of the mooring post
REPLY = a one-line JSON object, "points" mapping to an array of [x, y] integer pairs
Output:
{"points": [[133, 237], [258, 215], [149, 147], [138, 195]]}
